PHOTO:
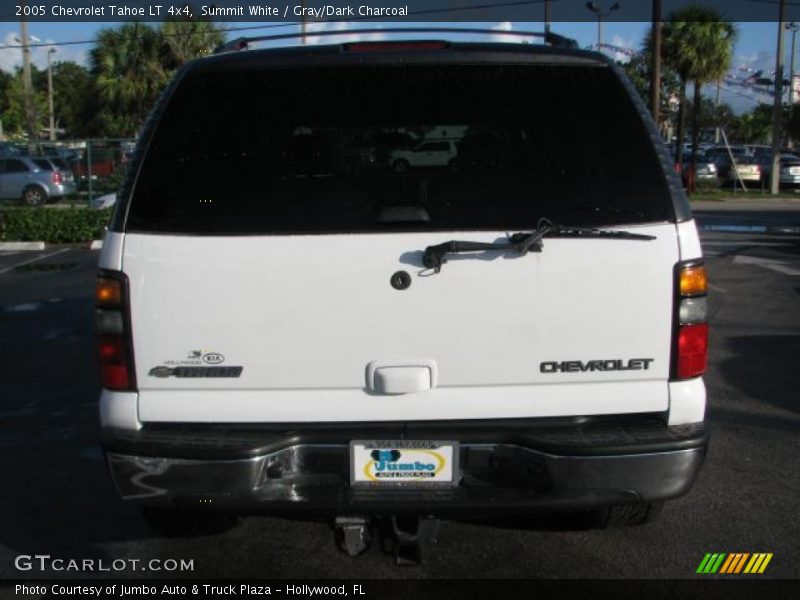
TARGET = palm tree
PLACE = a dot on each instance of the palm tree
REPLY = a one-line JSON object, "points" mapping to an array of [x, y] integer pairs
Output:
{"points": [[698, 45], [754, 127], [129, 75], [187, 40]]}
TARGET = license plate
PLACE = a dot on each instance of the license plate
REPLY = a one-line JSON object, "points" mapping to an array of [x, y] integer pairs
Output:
{"points": [[403, 463], [794, 170]]}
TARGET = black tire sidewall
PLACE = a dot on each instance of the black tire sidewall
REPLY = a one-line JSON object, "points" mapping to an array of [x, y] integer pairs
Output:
{"points": [[34, 188]]}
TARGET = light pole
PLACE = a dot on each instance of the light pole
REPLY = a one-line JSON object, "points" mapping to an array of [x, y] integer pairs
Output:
{"points": [[655, 65], [777, 107], [27, 85], [793, 27], [50, 93], [547, 16], [598, 10]]}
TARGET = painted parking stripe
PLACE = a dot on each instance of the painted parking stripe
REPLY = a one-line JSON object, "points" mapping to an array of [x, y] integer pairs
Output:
{"points": [[32, 260], [28, 307], [781, 266]]}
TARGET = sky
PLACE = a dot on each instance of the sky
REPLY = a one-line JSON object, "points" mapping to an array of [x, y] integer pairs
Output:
{"points": [[755, 48]]}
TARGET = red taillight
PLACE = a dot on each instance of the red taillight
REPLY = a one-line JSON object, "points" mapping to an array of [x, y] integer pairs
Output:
{"points": [[113, 333], [116, 378], [58, 179], [113, 362], [691, 345], [692, 350]]}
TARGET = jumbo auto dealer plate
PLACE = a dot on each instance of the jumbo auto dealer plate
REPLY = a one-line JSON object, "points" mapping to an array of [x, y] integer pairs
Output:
{"points": [[403, 463]]}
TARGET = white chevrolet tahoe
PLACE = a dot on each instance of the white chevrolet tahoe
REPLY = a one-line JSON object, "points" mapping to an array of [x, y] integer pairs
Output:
{"points": [[278, 334]]}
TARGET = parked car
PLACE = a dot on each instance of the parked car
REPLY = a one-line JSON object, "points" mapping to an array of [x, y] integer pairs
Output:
{"points": [[52, 163], [747, 169], [433, 153], [34, 180], [105, 160], [104, 201], [706, 173], [522, 338], [11, 149], [62, 152], [789, 170]]}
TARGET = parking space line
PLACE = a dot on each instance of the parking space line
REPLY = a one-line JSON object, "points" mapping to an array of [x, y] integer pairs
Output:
{"points": [[32, 260]]}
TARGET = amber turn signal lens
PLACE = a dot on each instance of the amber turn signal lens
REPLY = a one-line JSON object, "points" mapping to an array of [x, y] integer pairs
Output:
{"points": [[108, 292], [693, 281]]}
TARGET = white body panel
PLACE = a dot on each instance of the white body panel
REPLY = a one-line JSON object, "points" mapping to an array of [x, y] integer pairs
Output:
{"points": [[304, 316], [119, 410], [467, 402], [111, 255], [689, 241], [687, 401]]}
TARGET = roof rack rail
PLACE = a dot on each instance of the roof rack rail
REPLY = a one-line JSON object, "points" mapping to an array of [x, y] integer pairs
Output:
{"points": [[242, 43]]}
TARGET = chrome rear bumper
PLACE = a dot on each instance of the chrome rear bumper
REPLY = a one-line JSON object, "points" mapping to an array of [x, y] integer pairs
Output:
{"points": [[493, 478]]}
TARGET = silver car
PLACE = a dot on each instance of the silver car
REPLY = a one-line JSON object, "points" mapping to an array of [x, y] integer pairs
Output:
{"points": [[34, 180], [790, 168]]}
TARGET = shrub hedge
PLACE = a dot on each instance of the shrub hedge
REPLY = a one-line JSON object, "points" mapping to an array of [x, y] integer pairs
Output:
{"points": [[53, 225]]}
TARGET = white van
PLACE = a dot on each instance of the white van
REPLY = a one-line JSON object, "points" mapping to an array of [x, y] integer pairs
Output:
{"points": [[285, 326]]}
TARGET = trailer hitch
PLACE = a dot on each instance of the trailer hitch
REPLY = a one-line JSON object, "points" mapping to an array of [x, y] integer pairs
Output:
{"points": [[407, 537], [412, 538], [353, 534]]}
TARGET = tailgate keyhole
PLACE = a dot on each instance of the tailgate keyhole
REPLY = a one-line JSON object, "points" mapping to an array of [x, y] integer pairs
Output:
{"points": [[400, 280]]}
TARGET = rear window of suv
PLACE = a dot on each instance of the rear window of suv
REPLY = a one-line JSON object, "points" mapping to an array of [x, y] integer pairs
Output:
{"points": [[319, 150]]}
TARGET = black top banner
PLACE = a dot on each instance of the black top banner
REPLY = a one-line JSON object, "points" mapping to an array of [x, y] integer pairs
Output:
{"points": [[398, 11]]}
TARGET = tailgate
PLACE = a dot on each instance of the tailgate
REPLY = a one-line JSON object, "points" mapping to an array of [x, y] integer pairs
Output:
{"points": [[296, 326]]}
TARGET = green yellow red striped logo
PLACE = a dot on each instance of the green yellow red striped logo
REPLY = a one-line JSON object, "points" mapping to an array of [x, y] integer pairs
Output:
{"points": [[733, 563]]}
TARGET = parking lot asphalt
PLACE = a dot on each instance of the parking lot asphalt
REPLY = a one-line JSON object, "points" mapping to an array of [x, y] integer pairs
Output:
{"points": [[56, 497]]}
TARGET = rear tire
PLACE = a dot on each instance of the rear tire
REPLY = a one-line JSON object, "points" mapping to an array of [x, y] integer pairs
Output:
{"points": [[627, 515], [174, 522], [33, 195]]}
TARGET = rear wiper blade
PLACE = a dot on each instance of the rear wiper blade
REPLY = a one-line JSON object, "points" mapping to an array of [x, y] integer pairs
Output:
{"points": [[567, 231], [522, 243], [434, 256]]}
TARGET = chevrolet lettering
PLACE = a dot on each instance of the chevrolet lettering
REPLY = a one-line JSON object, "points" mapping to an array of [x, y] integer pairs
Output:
{"points": [[577, 366]]}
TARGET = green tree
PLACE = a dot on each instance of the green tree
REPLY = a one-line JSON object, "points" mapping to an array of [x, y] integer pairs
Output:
{"points": [[131, 66], [186, 40], [72, 98], [14, 113], [5, 83], [698, 46], [710, 115], [792, 121], [753, 127], [638, 71], [129, 74]]}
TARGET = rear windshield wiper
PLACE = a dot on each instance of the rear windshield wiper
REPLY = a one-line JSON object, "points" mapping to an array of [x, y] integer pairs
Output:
{"points": [[522, 243]]}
